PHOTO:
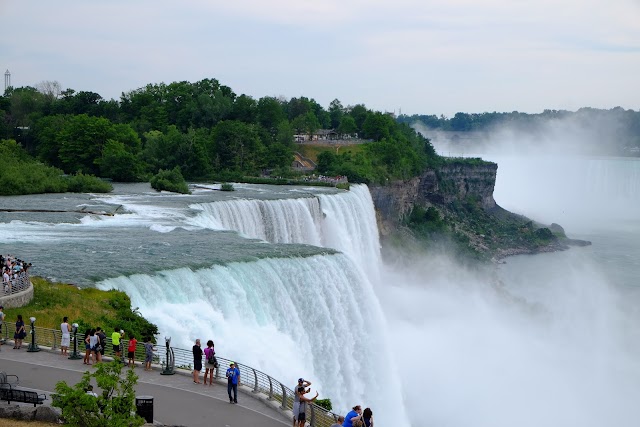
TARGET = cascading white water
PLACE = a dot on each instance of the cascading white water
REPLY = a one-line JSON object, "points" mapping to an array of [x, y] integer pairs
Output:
{"points": [[276, 221], [316, 317], [344, 221]]}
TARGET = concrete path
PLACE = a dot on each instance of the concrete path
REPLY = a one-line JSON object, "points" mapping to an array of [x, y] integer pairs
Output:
{"points": [[177, 399]]}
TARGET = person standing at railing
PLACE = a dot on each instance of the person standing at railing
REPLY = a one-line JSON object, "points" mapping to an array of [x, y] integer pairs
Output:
{"points": [[354, 415], [367, 417], [65, 341], [197, 361], [339, 422], [102, 343], [115, 340], [87, 348], [6, 280], [233, 376], [296, 398], [20, 333], [1, 322], [148, 353], [210, 355], [131, 351], [302, 411]]}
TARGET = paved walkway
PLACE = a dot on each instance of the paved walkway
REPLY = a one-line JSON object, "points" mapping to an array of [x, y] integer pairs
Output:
{"points": [[177, 400]]}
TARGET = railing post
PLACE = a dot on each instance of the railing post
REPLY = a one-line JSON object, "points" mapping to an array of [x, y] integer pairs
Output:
{"points": [[270, 388], [284, 397], [255, 378], [313, 415], [53, 346]]}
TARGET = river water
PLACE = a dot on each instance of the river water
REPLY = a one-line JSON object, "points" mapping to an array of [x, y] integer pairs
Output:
{"points": [[300, 289]]}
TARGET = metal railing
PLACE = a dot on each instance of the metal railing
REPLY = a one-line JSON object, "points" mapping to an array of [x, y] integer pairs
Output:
{"points": [[257, 381], [16, 285]]}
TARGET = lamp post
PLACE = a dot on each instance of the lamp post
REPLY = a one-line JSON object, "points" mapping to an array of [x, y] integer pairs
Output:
{"points": [[75, 355], [168, 367], [33, 347]]}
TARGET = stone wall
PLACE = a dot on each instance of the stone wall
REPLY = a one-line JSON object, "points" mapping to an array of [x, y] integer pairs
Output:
{"points": [[18, 299]]}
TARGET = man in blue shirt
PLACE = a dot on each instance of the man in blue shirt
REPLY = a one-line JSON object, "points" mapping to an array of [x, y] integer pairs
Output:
{"points": [[233, 376]]}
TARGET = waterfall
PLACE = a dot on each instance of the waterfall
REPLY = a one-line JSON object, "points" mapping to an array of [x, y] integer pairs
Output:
{"points": [[345, 221], [316, 317]]}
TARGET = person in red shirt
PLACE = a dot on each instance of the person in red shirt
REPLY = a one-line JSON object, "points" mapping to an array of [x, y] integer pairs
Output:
{"points": [[132, 350]]}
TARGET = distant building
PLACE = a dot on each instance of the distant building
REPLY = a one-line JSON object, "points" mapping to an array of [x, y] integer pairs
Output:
{"points": [[324, 135]]}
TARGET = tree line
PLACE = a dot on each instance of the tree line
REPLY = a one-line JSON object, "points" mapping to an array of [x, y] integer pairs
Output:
{"points": [[204, 129], [629, 120]]}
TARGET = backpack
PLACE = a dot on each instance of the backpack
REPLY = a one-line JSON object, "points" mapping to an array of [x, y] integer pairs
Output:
{"points": [[211, 360]]}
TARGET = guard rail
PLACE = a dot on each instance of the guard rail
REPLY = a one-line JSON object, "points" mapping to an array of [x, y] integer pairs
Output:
{"points": [[254, 379], [16, 285]]}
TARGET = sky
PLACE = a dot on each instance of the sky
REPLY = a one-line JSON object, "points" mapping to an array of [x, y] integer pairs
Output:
{"points": [[409, 56]]}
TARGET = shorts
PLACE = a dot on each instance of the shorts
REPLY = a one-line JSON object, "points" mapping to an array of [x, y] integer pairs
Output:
{"points": [[148, 357], [116, 348], [131, 354], [197, 365], [65, 341], [302, 416], [87, 346]]}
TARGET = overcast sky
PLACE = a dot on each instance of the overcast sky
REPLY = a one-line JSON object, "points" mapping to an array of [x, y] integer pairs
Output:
{"points": [[421, 56]]}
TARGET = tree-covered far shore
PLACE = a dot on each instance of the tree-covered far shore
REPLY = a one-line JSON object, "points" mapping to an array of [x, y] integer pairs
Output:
{"points": [[204, 129]]}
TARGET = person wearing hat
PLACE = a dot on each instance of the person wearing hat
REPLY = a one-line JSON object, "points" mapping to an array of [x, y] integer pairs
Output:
{"points": [[296, 398], [233, 376]]}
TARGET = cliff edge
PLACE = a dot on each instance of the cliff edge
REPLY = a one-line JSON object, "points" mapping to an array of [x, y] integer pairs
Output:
{"points": [[452, 204]]}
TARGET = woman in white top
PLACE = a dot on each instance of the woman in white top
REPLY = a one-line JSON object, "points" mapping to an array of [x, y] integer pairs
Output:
{"points": [[66, 336]]}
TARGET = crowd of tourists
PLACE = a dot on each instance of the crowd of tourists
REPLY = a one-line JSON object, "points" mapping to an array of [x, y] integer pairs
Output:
{"points": [[12, 270], [328, 179]]}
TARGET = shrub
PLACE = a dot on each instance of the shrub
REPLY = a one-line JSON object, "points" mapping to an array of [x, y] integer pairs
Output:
{"points": [[227, 187], [112, 408], [81, 183], [324, 403], [170, 180]]}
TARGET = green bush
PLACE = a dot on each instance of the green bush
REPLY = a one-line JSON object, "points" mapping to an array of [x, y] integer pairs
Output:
{"points": [[170, 180], [324, 403], [81, 183], [114, 407], [227, 187]]}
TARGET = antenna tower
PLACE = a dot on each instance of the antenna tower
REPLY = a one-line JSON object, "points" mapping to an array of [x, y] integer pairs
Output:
{"points": [[7, 80]]}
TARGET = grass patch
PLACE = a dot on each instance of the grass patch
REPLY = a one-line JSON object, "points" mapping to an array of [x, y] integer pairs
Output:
{"points": [[10, 422], [89, 307], [311, 151]]}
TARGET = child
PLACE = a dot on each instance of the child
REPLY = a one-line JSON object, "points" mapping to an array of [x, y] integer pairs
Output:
{"points": [[133, 342], [148, 353]]}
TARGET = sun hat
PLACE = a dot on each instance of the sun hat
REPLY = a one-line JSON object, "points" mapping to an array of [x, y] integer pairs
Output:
{"points": [[231, 364]]}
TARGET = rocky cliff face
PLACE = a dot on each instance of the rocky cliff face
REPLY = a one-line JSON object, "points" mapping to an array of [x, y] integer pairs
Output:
{"points": [[454, 204], [439, 187]]}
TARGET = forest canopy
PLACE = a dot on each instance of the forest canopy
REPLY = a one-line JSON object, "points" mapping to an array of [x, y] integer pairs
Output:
{"points": [[204, 129]]}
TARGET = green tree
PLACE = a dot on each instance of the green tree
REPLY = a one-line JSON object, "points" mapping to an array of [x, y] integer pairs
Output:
{"points": [[336, 113], [118, 163], [306, 123], [347, 126], [270, 113], [113, 408], [236, 146], [81, 141]]}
